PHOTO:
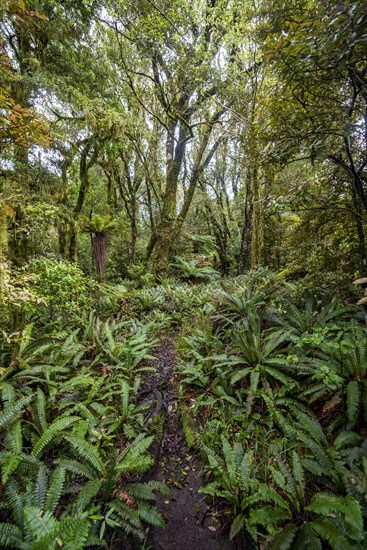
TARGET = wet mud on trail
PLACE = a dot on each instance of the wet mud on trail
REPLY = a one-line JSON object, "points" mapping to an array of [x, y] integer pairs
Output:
{"points": [[191, 524]]}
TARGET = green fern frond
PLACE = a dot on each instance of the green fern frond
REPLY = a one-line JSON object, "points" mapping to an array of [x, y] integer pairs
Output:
{"points": [[151, 515], [268, 517], [11, 411], [283, 540], [9, 464], [11, 536], [15, 501], [269, 494], [55, 490], [54, 430], [307, 538], [87, 494], [135, 459], [353, 401], [40, 405], [331, 534], [40, 487], [76, 467], [147, 491], [38, 523], [86, 451], [298, 473], [7, 393], [237, 525], [325, 504], [127, 514]]}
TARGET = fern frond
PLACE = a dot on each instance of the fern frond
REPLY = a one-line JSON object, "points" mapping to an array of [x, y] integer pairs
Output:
{"points": [[237, 526], [76, 467], [14, 437], [353, 401], [331, 534], [11, 411], [40, 487], [135, 459], [269, 494], [38, 524], [55, 490], [86, 451], [7, 393], [146, 491], [54, 430], [11, 536], [325, 503], [268, 517], [151, 515], [229, 457], [86, 494], [9, 464], [40, 405], [15, 501], [283, 539]]}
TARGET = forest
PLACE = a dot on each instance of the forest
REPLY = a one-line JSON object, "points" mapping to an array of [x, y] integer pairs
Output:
{"points": [[183, 274]]}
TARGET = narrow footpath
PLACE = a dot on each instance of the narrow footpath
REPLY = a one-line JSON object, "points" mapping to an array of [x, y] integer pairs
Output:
{"points": [[190, 523]]}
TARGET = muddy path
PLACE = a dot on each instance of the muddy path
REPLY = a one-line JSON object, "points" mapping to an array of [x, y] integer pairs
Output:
{"points": [[191, 524]]}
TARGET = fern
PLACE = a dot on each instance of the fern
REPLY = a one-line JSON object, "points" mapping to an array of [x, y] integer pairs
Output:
{"points": [[283, 540], [55, 490], [236, 526], [331, 534], [87, 494], [40, 487], [11, 411], [76, 467], [14, 500], [54, 430], [10, 536], [37, 523], [86, 451], [325, 504], [9, 464], [151, 515], [353, 401]]}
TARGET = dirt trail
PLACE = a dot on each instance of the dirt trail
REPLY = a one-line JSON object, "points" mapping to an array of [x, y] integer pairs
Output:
{"points": [[190, 525]]}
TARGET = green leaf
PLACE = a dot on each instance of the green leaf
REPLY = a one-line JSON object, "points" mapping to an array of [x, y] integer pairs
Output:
{"points": [[10, 413], [236, 526]]}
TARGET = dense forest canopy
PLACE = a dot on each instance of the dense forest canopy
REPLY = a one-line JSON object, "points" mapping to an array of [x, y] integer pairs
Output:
{"points": [[236, 121], [190, 169]]}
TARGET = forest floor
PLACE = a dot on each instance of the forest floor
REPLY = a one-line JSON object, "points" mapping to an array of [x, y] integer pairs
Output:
{"points": [[191, 524]]}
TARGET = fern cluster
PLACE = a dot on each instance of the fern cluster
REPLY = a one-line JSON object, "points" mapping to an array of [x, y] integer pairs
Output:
{"points": [[74, 440], [281, 394]]}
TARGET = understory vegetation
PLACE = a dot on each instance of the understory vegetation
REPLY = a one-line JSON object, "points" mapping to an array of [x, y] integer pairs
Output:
{"points": [[188, 175]]}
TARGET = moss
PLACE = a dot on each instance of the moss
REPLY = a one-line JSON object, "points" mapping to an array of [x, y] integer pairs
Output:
{"points": [[189, 430]]}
